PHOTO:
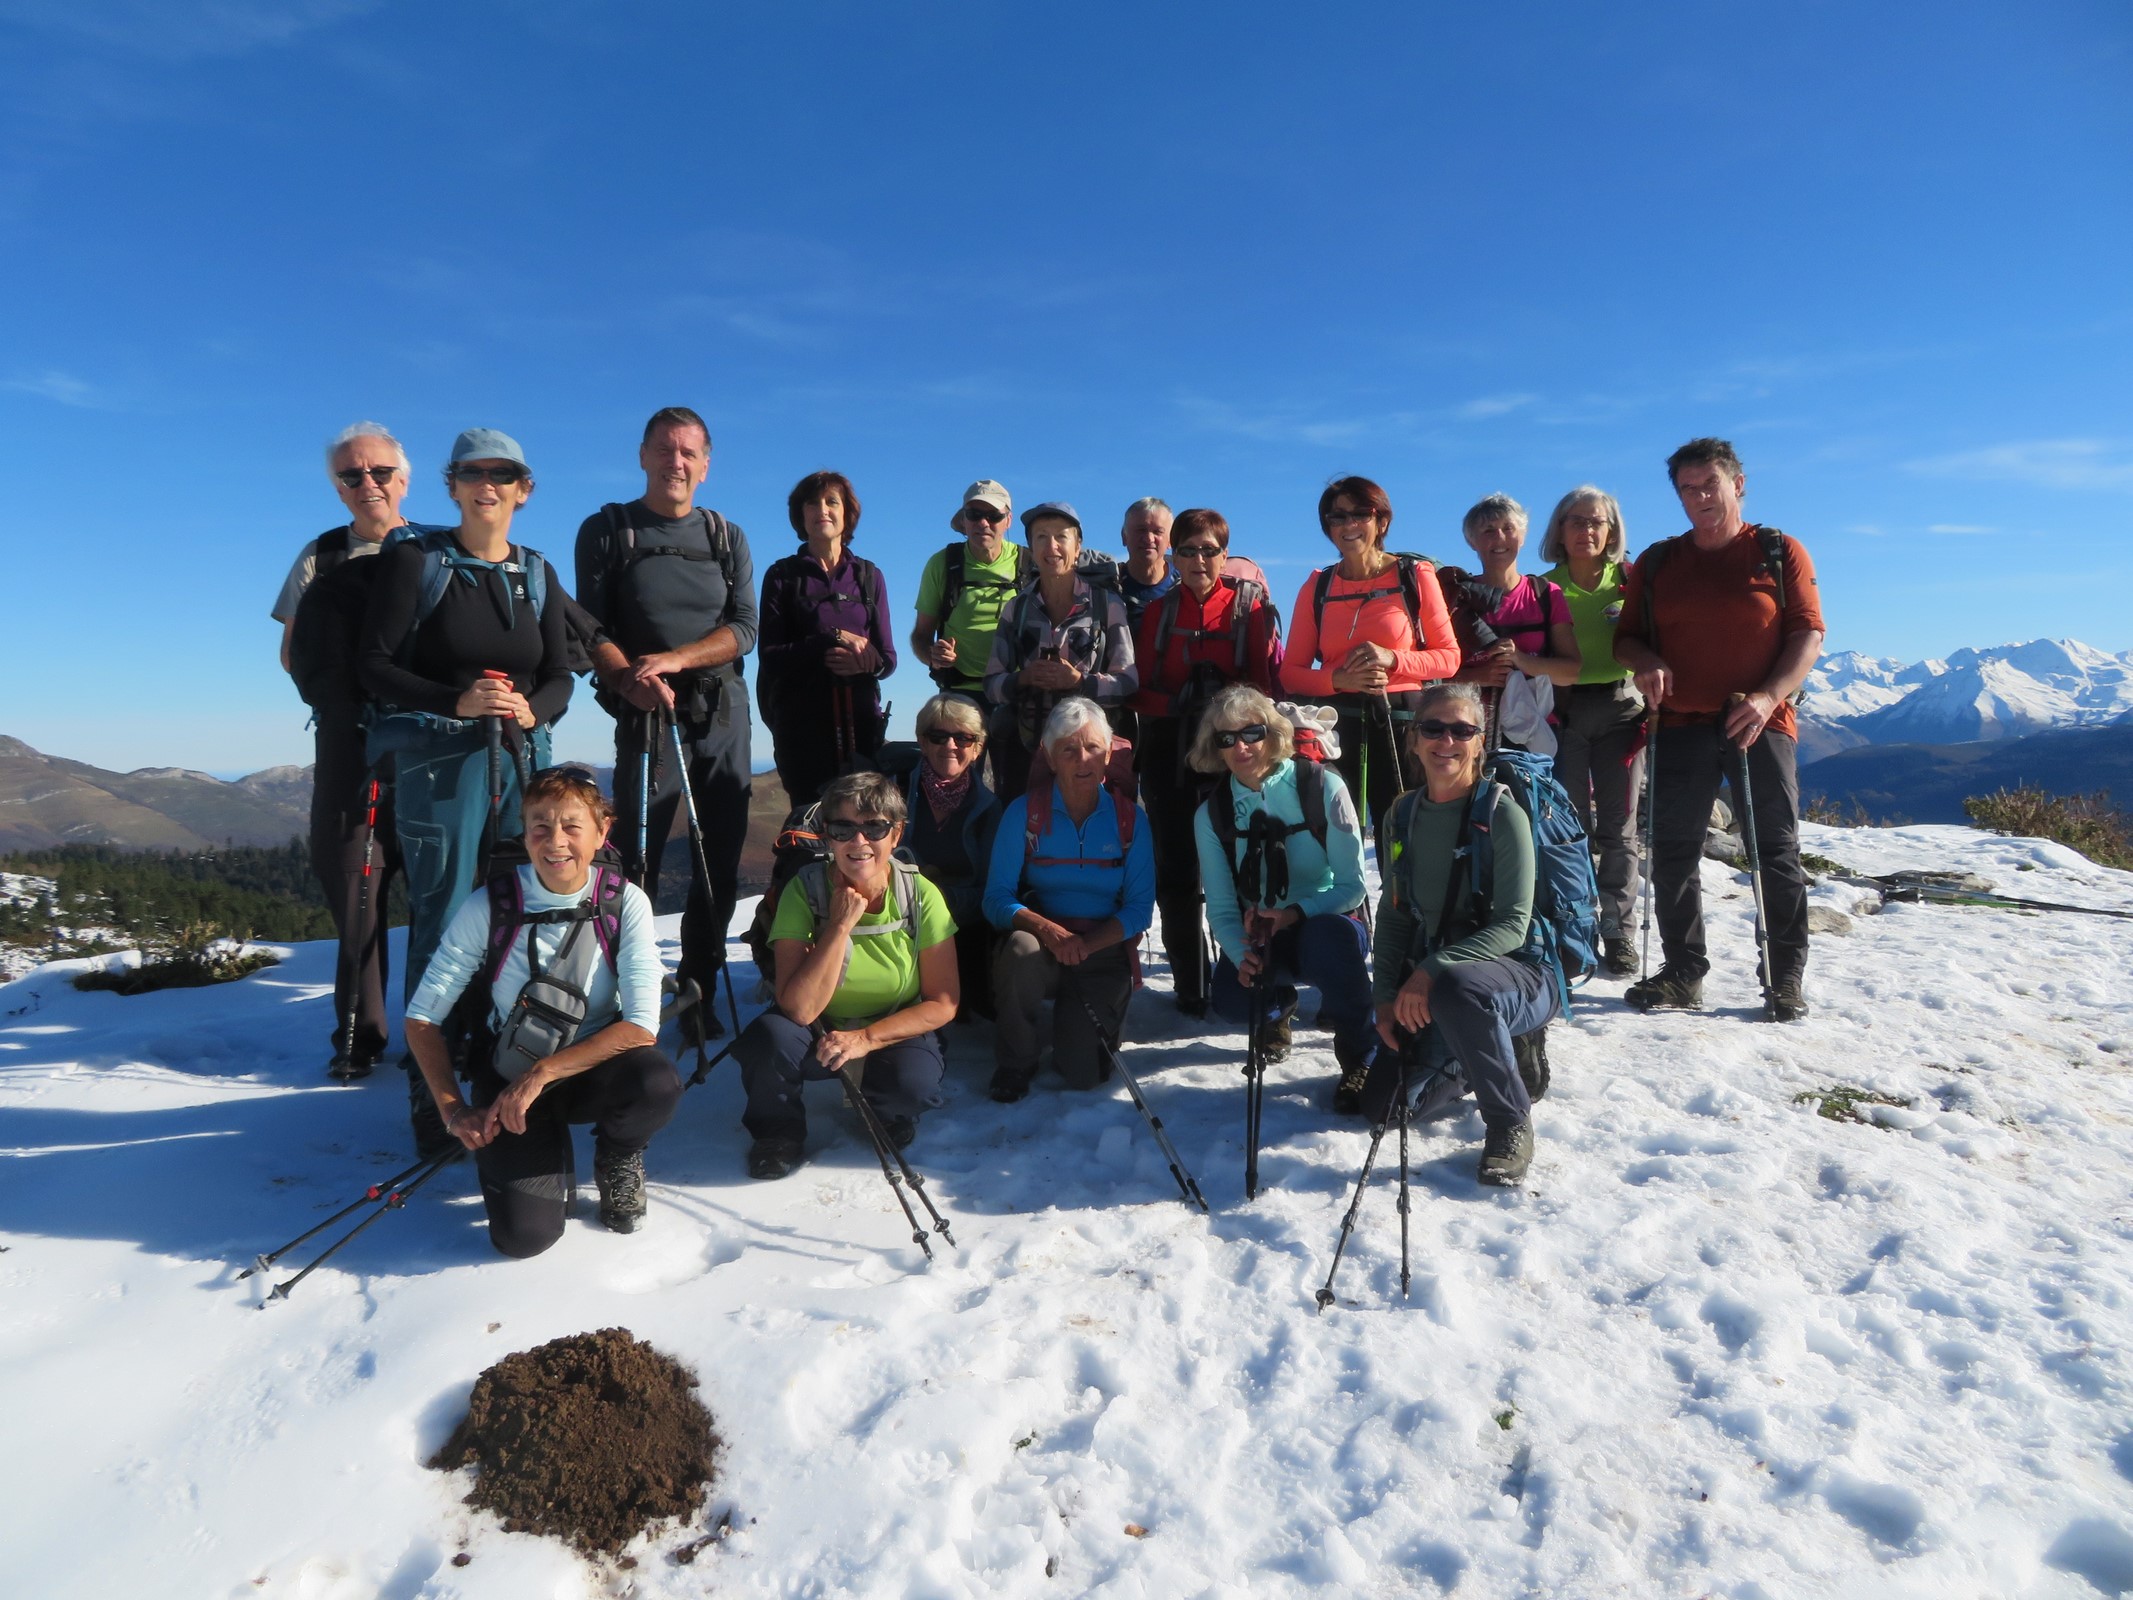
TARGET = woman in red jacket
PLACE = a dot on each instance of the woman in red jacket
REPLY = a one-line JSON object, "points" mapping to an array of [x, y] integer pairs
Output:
{"points": [[1207, 631], [1368, 633]]}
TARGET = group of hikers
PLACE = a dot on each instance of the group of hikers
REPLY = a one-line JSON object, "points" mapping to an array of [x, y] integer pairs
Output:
{"points": [[1113, 741]]}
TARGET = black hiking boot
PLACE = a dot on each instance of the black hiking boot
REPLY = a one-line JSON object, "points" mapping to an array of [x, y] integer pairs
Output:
{"points": [[1193, 1005], [1355, 1072], [1505, 1155], [1274, 1036], [773, 1158], [1617, 957], [431, 1139], [1531, 1050], [346, 1068], [1008, 1087], [901, 1131], [619, 1176], [1787, 1002], [1665, 990]]}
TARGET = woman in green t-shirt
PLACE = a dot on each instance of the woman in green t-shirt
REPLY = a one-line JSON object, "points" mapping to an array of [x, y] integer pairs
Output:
{"points": [[864, 950], [1600, 718]]}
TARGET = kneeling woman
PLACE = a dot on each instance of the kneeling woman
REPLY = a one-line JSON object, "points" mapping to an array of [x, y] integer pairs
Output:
{"points": [[530, 1079], [1281, 862], [953, 820], [865, 955], [1072, 882], [1447, 961]]}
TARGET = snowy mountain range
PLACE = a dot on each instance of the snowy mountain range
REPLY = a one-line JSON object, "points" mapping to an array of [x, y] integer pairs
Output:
{"points": [[2005, 692]]}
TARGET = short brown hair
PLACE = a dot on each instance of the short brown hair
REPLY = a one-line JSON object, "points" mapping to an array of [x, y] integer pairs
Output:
{"points": [[564, 784], [1364, 493], [811, 487], [1200, 520], [868, 794], [677, 417], [1705, 453]]}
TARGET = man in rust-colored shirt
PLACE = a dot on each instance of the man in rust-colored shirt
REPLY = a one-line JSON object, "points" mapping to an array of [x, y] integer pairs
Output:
{"points": [[1721, 625]]}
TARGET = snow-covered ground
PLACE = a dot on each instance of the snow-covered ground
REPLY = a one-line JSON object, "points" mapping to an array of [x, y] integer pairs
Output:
{"points": [[1718, 1346]]}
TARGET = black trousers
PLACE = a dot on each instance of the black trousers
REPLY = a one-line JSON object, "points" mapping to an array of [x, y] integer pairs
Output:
{"points": [[1687, 765], [1171, 794], [340, 784], [1364, 726], [719, 778], [527, 1178], [804, 742]]}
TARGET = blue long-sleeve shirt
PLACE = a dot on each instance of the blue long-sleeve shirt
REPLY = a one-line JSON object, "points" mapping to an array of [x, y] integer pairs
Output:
{"points": [[1320, 880], [1059, 890], [466, 940]]}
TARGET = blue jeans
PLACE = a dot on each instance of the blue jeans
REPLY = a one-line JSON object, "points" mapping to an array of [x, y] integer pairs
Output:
{"points": [[1330, 952]]}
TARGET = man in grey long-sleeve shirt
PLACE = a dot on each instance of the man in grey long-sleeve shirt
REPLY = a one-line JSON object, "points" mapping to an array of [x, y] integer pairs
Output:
{"points": [[674, 586]]}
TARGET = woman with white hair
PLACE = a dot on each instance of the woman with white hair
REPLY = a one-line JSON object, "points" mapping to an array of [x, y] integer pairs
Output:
{"points": [[1515, 631], [1598, 755], [1449, 960], [1281, 855], [953, 820], [1072, 884]]}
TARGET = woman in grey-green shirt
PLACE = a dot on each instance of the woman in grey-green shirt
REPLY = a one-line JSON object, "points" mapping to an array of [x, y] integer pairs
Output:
{"points": [[1445, 959], [1599, 756]]}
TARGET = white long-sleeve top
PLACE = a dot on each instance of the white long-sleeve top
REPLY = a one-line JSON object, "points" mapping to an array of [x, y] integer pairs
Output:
{"points": [[630, 993]]}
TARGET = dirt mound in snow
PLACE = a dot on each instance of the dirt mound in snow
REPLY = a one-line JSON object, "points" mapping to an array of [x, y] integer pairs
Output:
{"points": [[588, 1439]]}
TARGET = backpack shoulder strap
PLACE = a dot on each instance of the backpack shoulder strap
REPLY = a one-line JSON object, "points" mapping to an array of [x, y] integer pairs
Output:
{"points": [[1409, 568], [813, 880], [1772, 541], [1248, 596], [864, 571], [718, 534], [1036, 818], [903, 893], [1311, 795], [330, 550], [436, 574], [1392, 840], [952, 577], [1166, 618], [608, 883], [535, 566], [1648, 566], [1126, 813], [507, 914], [1318, 606]]}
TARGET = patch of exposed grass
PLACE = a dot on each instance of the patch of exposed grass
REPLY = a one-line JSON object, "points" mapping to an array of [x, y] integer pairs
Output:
{"points": [[1840, 1102], [191, 957], [2088, 823]]}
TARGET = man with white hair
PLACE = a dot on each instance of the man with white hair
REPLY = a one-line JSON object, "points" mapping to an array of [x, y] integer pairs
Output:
{"points": [[1148, 574], [351, 827]]}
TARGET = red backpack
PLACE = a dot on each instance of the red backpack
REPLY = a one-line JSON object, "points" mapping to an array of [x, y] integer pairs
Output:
{"points": [[1119, 778]]}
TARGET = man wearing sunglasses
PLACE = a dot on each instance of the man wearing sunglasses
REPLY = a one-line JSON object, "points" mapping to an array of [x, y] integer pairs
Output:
{"points": [[368, 469], [964, 588]]}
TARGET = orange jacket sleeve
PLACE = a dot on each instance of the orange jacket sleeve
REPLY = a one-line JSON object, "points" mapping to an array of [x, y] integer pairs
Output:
{"points": [[1301, 673], [1439, 655]]}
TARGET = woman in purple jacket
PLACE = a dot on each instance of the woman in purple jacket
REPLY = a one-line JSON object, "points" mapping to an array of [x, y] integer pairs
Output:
{"points": [[825, 643]]}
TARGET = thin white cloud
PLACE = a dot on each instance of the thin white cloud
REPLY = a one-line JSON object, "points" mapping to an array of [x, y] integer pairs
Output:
{"points": [[62, 387], [182, 30], [1872, 530], [1959, 527], [1495, 405], [2044, 463]]}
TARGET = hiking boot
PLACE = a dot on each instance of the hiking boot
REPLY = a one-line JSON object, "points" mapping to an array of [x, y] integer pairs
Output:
{"points": [[1274, 1035], [1505, 1155], [431, 1138], [1193, 1005], [1617, 958], [901, 1131], [1008, 1087], [1787, 1002], [773, 1158], [620, 1179], [1355, 1072], [1665, 990], [1531, 1051], [346, 1068]]}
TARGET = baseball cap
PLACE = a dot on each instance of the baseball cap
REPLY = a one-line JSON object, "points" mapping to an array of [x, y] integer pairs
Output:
{"points": [[487, 444], [1052, 508], [986, 492]]}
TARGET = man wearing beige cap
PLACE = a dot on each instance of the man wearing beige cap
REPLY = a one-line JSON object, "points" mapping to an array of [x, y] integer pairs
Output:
{"points": [[963, 588]]}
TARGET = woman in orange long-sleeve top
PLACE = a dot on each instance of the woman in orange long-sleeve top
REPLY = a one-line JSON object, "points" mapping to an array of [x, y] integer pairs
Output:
{"points": [[1367, 634]]}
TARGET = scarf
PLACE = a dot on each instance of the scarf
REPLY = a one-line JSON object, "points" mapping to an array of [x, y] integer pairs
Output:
{"points": [[944, 796]]}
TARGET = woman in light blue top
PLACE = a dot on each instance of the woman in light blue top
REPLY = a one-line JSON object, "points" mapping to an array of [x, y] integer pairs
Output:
{"points": [[1281, 863], [533, 1068], [1072, 884]]}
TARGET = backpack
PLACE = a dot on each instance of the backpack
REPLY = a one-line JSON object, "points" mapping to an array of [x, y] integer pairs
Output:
{"points": [[324, 633], [1260, 882], [1407, 569], [903, 895], [1771, 541], [768, 698], [508, 917], [1563, 935], [1249, 593], [624, 552], [954, 579], [800, 843], [1123, 785]]}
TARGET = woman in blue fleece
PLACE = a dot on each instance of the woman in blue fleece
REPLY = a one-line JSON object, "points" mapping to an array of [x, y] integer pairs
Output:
{"points": [[1281, 864], [1072, 884], [610, 1072]]}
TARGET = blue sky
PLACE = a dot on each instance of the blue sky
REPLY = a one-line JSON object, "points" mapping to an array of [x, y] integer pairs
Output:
{"points": [[1215, 253]]}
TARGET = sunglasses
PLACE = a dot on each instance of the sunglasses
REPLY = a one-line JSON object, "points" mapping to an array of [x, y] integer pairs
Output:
{"points": [[496, 475], [353, 476], [977, 513], [1198, 552], [1341, 519], [844, 830], [1431, 728], [1254, 734], [954, 736]]}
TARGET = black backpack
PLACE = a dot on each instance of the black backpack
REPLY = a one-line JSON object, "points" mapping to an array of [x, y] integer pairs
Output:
{"points": [[766, 691], [329, 617], [1222, 817], [1407, 569]]}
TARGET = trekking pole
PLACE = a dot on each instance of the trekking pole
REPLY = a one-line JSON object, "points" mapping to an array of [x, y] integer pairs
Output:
{"points": [[901, 1174], [1186, 1185], [703, 877], [1254, 1080], [649, 736], [1404, 1273], [1383, 703], [260, 1263], [1651, 823], [355, 983], [394, 1201], [1755, 862], [1355, 1205]]}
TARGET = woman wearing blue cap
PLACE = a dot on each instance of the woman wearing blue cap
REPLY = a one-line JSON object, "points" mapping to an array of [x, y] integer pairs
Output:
{"points": [[1067, 636], [463, 649]]}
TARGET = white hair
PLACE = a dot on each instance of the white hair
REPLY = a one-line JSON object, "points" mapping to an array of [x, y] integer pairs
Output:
{"points": [[364, 430], [1070, 716], [1148, 502]]}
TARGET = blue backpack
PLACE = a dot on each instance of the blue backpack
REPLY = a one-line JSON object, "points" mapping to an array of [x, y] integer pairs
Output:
{"points": [[1563, 936]]}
